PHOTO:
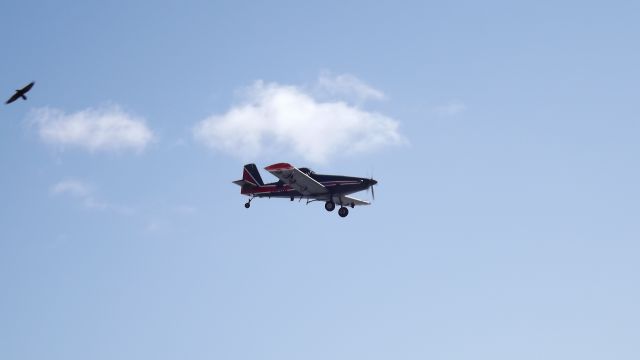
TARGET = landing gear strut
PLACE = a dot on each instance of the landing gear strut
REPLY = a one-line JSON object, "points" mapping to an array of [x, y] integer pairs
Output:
{"points": [[248, 204], [329, 205], [343, 212]]}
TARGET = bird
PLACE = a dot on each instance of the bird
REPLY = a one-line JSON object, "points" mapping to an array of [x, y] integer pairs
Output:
{"points": [[20, 93]]}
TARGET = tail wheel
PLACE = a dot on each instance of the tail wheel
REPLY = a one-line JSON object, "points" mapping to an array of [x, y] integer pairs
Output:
{"points": [[329, 205], [247, 205], [343, 212]]}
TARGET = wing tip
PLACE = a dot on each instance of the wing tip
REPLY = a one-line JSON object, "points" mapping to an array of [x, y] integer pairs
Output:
{"points": [[279, 166]]}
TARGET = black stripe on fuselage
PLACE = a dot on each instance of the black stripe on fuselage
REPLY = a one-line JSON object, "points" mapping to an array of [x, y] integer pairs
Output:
{"points": [[337, 185]]}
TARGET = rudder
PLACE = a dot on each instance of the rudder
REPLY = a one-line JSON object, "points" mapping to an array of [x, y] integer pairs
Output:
{"points": [[251, 174]]}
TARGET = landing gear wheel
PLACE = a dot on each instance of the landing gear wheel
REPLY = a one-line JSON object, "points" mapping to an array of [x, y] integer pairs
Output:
{"points": [[329, 205], [247, 204], [343, 212]]}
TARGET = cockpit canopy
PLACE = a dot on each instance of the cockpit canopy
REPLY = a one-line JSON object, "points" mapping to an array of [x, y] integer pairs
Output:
{"points": [[306, 170]]}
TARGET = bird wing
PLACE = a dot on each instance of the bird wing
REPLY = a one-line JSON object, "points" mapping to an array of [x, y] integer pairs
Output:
{"points": [[13, 98], [27, 88]]}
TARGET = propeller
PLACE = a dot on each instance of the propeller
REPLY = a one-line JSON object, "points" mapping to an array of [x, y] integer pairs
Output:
{"points": [[373, 193], [370, 188]]}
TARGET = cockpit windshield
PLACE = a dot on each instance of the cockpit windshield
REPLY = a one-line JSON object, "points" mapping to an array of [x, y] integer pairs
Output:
{"points": [[306, 170]]}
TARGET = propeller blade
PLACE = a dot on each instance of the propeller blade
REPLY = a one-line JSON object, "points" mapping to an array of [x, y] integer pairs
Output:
{"points": [[370, 188]]}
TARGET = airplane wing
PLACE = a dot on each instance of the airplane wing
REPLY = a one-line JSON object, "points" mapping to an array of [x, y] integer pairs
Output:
{"points": [[344, 199], [297, 180]]}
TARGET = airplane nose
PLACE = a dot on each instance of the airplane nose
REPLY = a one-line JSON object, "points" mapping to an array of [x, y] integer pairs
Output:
{"points": [[372, 182]]}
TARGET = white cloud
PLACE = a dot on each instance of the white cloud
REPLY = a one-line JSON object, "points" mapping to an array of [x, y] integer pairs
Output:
{"points": [[451, 108], [348, 86], [101, 129], [275, 119]]}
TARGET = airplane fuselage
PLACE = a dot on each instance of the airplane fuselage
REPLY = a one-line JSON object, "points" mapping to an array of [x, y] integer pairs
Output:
{"points": [[336, 184]]}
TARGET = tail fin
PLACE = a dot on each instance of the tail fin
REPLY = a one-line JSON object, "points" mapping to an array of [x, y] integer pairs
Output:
{"points": [[250, 176]]}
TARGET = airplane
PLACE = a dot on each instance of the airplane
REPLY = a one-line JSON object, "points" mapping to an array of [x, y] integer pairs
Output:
{"points": [[303, 183], [20, 93]]}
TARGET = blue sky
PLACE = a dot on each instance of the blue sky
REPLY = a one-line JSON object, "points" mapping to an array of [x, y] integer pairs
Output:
{"points": [[503, 136]]}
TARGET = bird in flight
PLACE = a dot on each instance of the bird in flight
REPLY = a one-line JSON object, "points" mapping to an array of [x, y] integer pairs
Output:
{"points": [[20, 93]]}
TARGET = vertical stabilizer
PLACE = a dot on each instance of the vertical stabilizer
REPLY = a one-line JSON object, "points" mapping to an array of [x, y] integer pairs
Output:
{"points": [[252, 175]]}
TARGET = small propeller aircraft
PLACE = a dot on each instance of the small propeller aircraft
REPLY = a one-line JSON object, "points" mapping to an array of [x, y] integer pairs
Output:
{"points": [[302, 183]]}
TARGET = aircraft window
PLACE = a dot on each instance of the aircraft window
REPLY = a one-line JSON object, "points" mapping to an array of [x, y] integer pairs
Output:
{"points": [[307, 171]]}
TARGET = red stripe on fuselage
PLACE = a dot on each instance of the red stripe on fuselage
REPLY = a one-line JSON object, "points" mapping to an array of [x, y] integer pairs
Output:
{"points": [[268, 189], [284, 188]]}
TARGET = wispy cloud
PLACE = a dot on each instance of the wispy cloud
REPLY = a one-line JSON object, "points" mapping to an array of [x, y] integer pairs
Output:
{"points": [[347, 86], [451, 108], [274, 119], [86, 194], [77, 189], [94, 129]]}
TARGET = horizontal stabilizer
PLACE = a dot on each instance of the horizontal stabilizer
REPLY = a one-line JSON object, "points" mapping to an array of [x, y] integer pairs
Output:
{"points": [[348, 200], [243, 182]]}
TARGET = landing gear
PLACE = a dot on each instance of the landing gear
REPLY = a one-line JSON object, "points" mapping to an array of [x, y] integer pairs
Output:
{"points": [[291, 198], [343, 212], [329, 205], [247, 204]]}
